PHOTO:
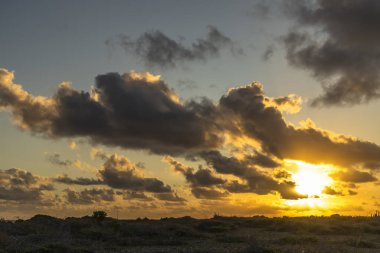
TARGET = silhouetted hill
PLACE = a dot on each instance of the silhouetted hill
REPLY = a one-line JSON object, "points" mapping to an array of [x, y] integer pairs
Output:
{"points": [[257, 234]]}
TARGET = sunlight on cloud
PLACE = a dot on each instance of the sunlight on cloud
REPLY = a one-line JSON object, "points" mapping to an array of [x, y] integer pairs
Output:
{"points": [[144, 76]]}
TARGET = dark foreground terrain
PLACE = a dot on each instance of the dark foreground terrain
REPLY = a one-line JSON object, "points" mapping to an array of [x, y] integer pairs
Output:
{"points": [[219, 234]]}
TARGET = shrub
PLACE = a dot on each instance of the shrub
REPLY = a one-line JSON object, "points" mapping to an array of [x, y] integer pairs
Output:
{"points": [[99, 215]]}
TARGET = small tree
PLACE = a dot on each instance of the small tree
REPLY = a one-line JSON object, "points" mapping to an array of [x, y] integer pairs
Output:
{"points": [[99, 215]]}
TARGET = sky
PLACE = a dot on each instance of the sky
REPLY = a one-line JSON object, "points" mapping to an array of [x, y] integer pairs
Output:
{"points": [[174, 108]]}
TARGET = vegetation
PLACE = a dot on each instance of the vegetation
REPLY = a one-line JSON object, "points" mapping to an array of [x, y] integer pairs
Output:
{"points": [[99, 215], [99, 233]]}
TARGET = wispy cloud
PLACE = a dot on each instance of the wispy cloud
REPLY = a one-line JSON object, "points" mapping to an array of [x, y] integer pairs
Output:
{"points": [[156, 49]]}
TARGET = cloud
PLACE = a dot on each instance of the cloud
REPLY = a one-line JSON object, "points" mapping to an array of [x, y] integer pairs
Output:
{"points": [[372, 165], [254, 180], [89, 196], [64, 179], [267, 55], [22, 186], [133, 195], [208, 193], [352, 193], [55, 159], [156, 49], [257, 120], [118, 172], [30, 112], [262, 160], [353, 176], [338, 42], [134, 110], [169, 196], [331, 191], [202, 182], [288, 104], [139, 111], [201, 177], [283, 174]]}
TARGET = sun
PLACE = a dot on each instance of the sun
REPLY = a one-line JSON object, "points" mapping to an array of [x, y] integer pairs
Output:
{"points": [[311, 179]]}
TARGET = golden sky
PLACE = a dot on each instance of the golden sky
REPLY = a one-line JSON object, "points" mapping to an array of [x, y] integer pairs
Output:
{"points": [[155, 119]]}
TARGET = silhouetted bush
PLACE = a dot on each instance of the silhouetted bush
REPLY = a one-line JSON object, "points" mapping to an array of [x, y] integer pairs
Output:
{"points": [[99, 215]]}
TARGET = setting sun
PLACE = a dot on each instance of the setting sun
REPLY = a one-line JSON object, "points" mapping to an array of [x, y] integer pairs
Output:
{"points": [[311, 179]]}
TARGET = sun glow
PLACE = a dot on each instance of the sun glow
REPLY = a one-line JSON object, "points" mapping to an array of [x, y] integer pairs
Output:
{"points": [[311, 179]]}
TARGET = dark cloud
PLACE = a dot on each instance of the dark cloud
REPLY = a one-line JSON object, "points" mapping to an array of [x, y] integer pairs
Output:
{"points": [[267, 55], [338, 41], [208, 193], [136, 196], [352, 193], [20, 193], [156, 49], [331, 191], [18, 177], [22, 186], [64, 179], [235, 186], [200, 177], [283, 174], [353, 176], [257, 120], [89, 196], [204, 184], [255, 181], [139, 111], [262, 160], [118, 172], [169, 196], [372, 165], [56, 159], [135, 110], [201, 181]]}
